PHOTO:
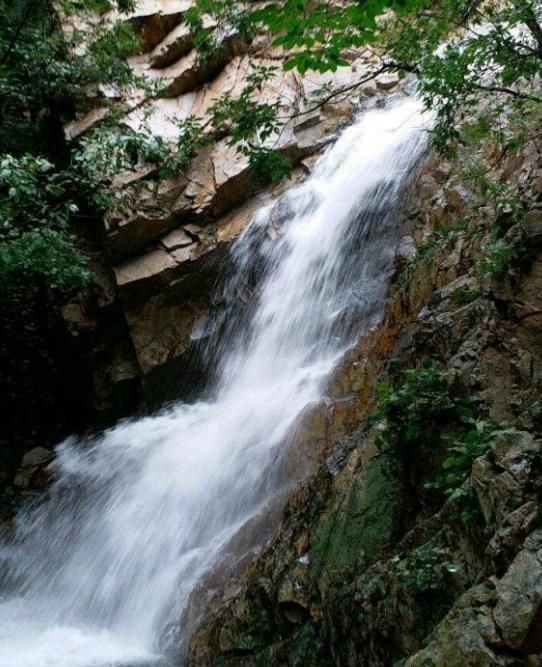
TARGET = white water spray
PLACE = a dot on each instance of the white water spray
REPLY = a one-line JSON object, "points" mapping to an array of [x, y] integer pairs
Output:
{"points": [[139, 515]]}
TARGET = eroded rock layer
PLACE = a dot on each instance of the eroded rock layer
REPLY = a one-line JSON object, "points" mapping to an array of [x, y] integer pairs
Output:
{"points": [[166, 236]]}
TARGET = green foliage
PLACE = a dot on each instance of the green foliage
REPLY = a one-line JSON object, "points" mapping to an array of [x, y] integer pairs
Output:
{"points": [[42, 71], [495, 258], [462, 52], [243, 116], [36, 206], [191, 138], [462, 453], [78, 7], [422, 414], [32, 194], [416, 412], [437, 243], [227, 17], [421, 571], [462, 296], [456, 467], [497, 197], [48, 253], [487, 49], [252, 125], [319, 35], [465, 53], [270, 165], [109, 149]]}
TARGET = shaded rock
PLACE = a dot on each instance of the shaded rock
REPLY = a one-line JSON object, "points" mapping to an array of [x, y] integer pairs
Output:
{"points": [[176, 239], [518, 611], [175, 45], [387, 81], [144, 274], [33, 461]]}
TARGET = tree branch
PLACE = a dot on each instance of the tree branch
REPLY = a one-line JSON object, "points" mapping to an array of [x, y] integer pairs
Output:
{"points": [[347, 89], [26, 16], [508, 91]]}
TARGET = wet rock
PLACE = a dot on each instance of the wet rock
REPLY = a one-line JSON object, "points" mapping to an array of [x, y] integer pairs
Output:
{"points": [[518, 611], [32, 464], [387, 81], [37, 457]]}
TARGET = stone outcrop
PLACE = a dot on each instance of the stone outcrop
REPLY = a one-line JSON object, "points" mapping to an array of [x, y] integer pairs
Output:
{"points": [[167, 236]]}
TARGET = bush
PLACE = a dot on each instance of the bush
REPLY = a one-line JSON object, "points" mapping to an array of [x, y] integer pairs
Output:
{"points": [[48, 253], [462, 453], [495, 258], [417, 411]]}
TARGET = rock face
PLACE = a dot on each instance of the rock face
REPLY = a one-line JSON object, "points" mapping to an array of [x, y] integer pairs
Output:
{"points": [[167, 236], [370, 566]]}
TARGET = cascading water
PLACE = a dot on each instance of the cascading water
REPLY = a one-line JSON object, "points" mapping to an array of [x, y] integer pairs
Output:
{"points": [[138, 515]]}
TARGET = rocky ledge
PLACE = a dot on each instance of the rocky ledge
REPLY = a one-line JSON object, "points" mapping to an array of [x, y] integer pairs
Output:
{"points": [[164, 239]]}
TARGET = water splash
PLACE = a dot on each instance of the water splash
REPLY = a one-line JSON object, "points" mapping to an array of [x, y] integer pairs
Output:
{"points": [[138, 515]]}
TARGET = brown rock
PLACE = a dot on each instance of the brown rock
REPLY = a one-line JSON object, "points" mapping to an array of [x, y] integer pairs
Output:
{"points": [[138, 275], [387, 81], [178, 238]]}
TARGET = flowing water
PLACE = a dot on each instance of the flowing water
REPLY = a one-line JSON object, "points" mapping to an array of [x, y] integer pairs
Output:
{"points": [[139, 514]]}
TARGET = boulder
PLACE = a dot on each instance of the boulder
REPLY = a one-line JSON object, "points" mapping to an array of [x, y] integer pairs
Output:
{"points": [[518, 611], [33, 462], [387, 81]]}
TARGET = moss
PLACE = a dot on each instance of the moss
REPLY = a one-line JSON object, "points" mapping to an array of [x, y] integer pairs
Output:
{"points": [[362, 521], [304, 649], [249, 642]]}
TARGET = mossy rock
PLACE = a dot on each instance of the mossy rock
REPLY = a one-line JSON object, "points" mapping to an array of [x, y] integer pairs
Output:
{"points": [[364, 518]]}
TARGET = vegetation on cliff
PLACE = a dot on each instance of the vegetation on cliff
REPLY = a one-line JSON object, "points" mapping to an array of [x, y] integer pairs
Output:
{"points": [[43, 192], [46, 200], [485, 72]]}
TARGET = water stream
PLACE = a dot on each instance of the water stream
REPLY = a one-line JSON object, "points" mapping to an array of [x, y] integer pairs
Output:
{"points": [[138, 515]]}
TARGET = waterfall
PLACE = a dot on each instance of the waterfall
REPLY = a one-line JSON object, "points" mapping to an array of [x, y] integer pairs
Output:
{"points": [[137, 516]]}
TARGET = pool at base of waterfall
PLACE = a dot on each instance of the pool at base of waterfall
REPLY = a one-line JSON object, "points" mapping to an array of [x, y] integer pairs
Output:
{"points": [[35, 643]]}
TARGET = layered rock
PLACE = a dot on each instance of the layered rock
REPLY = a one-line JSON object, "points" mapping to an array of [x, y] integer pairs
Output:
{"points": [[167, 236]]}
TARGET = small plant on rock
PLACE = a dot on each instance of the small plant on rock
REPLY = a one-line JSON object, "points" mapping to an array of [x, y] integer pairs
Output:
{"points": [[415, 412], [462, 296], [456, 467], [496, 257], [462, 453], [423, 569]]}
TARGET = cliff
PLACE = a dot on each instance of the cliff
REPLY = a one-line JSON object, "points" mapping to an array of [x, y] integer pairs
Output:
{"points": [[130, 341], [417, 541]]}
